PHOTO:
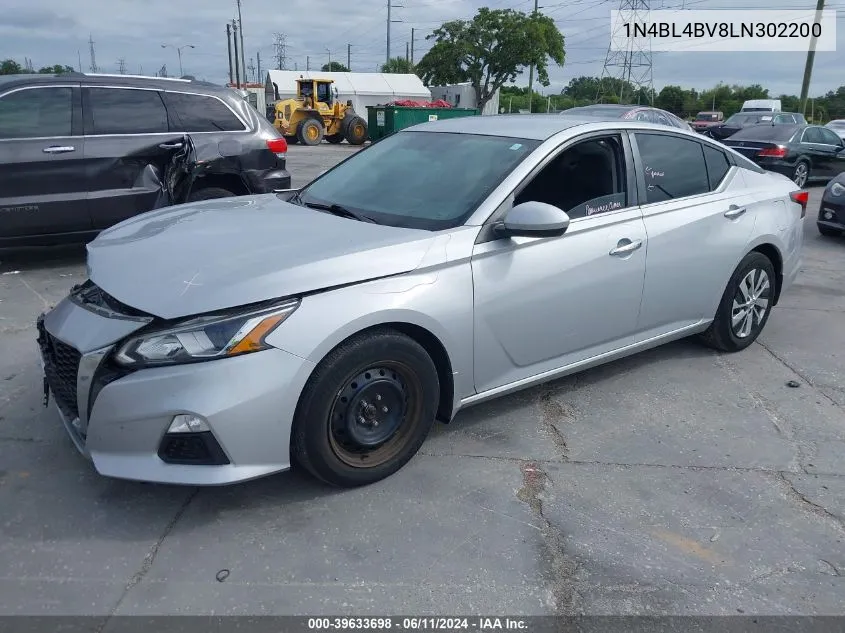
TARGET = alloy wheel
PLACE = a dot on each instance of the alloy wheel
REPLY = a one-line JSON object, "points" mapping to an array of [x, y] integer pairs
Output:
{"points": [[800, 176], [750, 303]]}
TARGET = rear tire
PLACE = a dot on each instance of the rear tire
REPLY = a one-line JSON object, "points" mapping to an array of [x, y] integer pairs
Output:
{"points": [[366, 410], [801, 173], [745, 306], [335, 139], [210, 193], [355, 130], [827, 231], [310, 132]]}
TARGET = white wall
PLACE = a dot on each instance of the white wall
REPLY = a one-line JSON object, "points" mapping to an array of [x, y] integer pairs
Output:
{"points": [[463, 96]]}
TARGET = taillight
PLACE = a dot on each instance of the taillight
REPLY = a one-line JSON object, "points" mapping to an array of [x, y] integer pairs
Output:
{"points": [[802, 198], [773, 152], [278, 146]]}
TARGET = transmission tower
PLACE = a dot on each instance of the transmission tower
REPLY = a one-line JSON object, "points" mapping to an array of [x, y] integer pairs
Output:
{"points": [[631, 67], [121, 66], [280, 46], [251, 68], [94, 68]]}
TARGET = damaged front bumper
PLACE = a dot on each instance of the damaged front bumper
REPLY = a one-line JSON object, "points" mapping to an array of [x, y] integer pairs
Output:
{"points": [[122, 420]]}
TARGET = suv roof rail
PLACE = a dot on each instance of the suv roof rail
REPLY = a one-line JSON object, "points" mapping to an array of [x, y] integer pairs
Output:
{"points": [[135, 76]]}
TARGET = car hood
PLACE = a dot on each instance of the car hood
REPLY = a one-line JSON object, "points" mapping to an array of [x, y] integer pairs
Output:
{"points": [[217, 254]]}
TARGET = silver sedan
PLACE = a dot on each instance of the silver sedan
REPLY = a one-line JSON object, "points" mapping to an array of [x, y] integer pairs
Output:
{"points": [[445, 265]]}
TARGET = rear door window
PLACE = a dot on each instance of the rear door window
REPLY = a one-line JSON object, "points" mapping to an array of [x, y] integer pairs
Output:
{"points": [[126, 111], [829, 137], [201, 113], [37, 112], [812, 135], [673, 167], [717, 165]]}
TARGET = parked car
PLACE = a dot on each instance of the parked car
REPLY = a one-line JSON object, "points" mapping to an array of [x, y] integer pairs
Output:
{"points": [[804, 153], [448, 264], [761, 105], [838, 126], [831, 219], [742, 120], [611, 111], [704, 120], [80, 153]]}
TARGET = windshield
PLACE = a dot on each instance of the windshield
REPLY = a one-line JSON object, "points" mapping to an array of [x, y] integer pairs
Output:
{"points": [[424, 180], [740, 119]]}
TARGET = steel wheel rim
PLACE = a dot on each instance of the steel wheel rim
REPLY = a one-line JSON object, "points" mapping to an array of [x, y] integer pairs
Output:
{"points": [[800, 174], [311, 132], [361, 444], [359, 130], [751, 303]]}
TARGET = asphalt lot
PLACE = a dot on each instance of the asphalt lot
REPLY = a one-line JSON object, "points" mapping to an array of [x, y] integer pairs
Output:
{"points": [[679, 481]]}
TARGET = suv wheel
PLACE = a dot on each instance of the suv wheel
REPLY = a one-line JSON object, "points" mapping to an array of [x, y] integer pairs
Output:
{"points": [[209, 193]]}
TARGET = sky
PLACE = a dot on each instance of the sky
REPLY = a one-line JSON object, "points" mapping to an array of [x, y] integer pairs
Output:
{"points": [[135, 30]]}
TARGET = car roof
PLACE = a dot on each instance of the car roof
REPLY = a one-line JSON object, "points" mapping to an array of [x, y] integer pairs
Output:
{"points": [[530, 126], [132, 81]]}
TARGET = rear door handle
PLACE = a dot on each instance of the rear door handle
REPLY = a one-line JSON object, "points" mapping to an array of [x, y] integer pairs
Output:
{"points": [[734, 212], [171, 146], [59, 149], [626, 249]]}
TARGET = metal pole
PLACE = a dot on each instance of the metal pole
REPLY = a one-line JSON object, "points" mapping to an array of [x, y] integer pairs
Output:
{"points": [[531, 73], [349, 56], [179, 51], [243, 51], [237, 63], [407, 52], [258, 58], [307, 63], [811, 57], [229, 46], [412, 47], [387, 60]]}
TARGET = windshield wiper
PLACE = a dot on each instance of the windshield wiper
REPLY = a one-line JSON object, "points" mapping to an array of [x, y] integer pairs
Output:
{"points": [[336, 209]]}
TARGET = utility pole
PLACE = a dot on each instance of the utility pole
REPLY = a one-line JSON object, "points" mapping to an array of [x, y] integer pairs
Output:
{"points": [[237, 63], [390, 6], [408, 52], [412, 45], [349, 57], [811, 57], [258, 58], [307, 63], [330, 59], [229, 46], [243, 50], [79, 59], [91, 52], [531, 73]]}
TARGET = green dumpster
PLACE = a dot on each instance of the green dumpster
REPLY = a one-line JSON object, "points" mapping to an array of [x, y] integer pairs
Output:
{"points": [[385, 120]]}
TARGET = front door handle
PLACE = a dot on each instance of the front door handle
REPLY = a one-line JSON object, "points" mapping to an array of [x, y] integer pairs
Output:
{"points": [[59, 149], [171, 146], [626, 249], [734, 212]]}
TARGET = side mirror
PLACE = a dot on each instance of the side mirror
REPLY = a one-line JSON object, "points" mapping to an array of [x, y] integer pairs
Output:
{"points": [[533, 219]]}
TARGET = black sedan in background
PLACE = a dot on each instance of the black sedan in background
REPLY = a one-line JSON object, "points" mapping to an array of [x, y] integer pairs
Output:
{"points": [[742, 120], [801, 152], [831, 220]]}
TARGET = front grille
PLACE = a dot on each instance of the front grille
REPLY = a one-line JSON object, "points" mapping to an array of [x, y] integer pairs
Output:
{"points": [[61, 365]]}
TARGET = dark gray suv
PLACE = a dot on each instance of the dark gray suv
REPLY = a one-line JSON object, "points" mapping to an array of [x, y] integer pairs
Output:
{"points": [[80, 153]]}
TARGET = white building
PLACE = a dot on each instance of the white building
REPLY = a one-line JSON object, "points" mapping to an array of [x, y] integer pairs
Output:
{"points": [[363, 89], [463, 96]]}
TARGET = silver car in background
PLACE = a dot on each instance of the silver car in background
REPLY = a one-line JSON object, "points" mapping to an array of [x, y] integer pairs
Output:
{"points": [[445, 265]]}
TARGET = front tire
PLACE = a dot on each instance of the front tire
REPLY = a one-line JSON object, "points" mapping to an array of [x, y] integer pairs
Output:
{"points": [[745, 306], [355, 130], [366, 410], [209, 193], [310, 132], [801, 173]]}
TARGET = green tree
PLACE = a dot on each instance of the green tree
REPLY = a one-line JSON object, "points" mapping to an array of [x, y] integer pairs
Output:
{"points": [[10, 67], [334, 67], [397, 66], [57, 69], [491, 50]]}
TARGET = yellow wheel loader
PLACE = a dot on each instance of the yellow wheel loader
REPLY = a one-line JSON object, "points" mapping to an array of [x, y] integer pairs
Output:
{"points": [[316, 113]]}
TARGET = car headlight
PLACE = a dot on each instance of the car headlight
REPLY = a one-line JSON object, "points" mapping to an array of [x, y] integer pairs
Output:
{"points": [[836, 189], [205, 338]]}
